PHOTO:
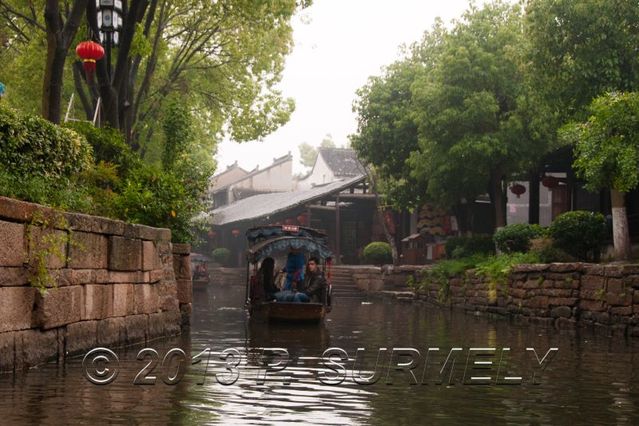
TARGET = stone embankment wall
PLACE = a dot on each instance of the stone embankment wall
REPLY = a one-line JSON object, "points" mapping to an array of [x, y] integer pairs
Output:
{"points": [[560, 294], [108, 283]]}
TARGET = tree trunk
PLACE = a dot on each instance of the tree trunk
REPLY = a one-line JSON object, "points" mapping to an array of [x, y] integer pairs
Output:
{"points": [[620, 233], [533, 199], [498, 199], [53, 74], [389, 236]]}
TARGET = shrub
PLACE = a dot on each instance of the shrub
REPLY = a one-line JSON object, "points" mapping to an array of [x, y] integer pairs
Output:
{"points": [[377, 253], [579, 233], [516, 238], [221, 255], [32, 146], [108, 146], [458, 247], [544, 249]]}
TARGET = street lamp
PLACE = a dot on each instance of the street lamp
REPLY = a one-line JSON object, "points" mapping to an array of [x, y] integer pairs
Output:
{"points": [[109, 24]]}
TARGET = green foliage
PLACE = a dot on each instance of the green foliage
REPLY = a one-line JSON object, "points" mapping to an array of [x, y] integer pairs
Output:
{"points": [[32, 146], [579, 50], [221, 255], [517, 237], [498, 268], [108, 145], [462, 247], [47, 238], [607, 145], [579, 233], [377, 253], [442, 272], [177, 126]]}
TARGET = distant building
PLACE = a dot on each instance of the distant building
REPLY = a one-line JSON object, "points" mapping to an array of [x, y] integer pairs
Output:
{"points": [[332, 164], [236, 183]]}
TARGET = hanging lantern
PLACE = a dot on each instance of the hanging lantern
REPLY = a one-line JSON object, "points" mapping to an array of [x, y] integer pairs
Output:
{"points": [[518, 189], [236, 233], [89, 52], [212, 233], [550, 181], [301, 219]]}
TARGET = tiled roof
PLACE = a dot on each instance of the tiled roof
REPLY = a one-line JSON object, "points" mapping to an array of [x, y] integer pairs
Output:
{"points": [[268, 204], [342, 161]]}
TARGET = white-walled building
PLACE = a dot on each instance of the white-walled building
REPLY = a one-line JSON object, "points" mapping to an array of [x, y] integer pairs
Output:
{"points": [[332, 164]]}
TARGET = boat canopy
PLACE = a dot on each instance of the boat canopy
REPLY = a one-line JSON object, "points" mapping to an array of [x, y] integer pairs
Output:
{"points": [[262, 233], [283, 244]]}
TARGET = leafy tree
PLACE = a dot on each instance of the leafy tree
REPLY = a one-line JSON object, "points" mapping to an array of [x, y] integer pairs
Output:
{"points": [[387, 134], [607, 155], [224, 58], [579, 50], [467, 108]]}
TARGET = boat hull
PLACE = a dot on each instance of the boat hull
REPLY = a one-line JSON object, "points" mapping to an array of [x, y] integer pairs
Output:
{"points": [[290, 311]]}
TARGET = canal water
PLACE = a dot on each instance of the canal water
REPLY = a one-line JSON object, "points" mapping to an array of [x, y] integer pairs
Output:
{"points": [[591, 379]]}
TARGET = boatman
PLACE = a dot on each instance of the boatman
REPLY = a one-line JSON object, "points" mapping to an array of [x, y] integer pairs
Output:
{"points": [[314, 284]]}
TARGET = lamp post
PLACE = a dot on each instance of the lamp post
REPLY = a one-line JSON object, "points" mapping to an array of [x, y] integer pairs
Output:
{"points": [[109, 23]]}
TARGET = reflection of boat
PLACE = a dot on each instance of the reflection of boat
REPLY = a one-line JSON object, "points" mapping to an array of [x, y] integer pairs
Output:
{"points": [[266, 241], [298, 340]]}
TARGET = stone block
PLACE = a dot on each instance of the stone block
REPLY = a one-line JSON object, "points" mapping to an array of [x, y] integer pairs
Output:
{"points": [[104, 276], [181, 249], [561, 312], [376, 285], [621, 310], [123, 300], [592, 282], [146, 298], [163, 324], [16, 307], [88, 251], [182, 267], [136, 327], [81, 336], [59, 306], [591, 305], [615, 299], [7, 350], [562, 301], [48, 240], [33, 347], [111, 331], [150, 256], [12, 243], [167, 295], [185, 291], [13, 276], [156, 276], [80, 276], [185, 312], [615, 285], [97, 302], [125, 254]]}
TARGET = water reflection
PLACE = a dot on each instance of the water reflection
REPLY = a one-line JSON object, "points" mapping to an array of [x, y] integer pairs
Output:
{"points": [[593, 379]]}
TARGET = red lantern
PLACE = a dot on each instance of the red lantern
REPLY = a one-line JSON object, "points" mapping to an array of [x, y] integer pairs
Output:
{"points": [[236, 233], [212, 234], [518, 189], [550, 181], [301, 219], [89, 52]]}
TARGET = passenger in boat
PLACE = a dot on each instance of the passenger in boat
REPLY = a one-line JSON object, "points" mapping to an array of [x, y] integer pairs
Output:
{"points": [[314, 284], [266, 279], [294, 277]]}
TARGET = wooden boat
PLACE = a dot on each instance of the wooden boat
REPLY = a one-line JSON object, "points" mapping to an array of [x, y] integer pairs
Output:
{"points": [[199, 267], [267, 241]]}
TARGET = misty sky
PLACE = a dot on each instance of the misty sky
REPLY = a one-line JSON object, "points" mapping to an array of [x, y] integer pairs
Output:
{"points": [[338, 45]]}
